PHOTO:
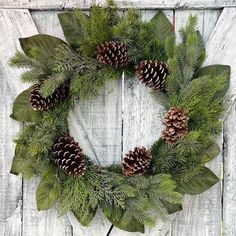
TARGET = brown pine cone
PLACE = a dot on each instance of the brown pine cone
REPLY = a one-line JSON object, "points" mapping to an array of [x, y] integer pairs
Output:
{"points": [[113, 53], [39, 103], [136, 162], [176, 124], [69, 156], [153, 74]]}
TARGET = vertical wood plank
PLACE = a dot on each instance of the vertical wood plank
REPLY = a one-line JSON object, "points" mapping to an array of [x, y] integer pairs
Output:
{"points": [[11, 186], [44, 222], [201, 215], [13, 24], [222, 51]]}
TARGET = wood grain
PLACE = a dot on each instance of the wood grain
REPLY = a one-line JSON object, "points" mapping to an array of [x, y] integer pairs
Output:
{"points": [[222, 50], [144, 4], [11, 186], [14, 24]]}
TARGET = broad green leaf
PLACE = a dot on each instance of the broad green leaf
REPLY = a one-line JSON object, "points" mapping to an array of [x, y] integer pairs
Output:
{"points": [[121, 220], [48, 191], [199, 183], [71, 26], [22, 110], [40, 43], [212, 151], [162, 27], [18, 161], [172, 208], [214, 71], [86, 218]]}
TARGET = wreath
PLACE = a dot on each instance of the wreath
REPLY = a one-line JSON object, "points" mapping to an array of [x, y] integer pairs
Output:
{"points": [[150, 182]]}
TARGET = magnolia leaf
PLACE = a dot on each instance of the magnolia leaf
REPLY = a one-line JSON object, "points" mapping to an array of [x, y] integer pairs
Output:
{"points": [[214, 71], [172, 208], [162, 27], [40, 44], [18, 161], [87, 218], [212, 151], [71, 26], [123, 221], [22, 110], [199, 183], [48, 191]]}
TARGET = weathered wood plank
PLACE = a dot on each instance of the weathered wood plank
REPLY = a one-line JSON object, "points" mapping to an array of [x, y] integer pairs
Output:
{"points": [[229, 184], [41, 223], [144, 4], [95, 123], [222, 50], [201, 215], [11, 186], [14, 24]]}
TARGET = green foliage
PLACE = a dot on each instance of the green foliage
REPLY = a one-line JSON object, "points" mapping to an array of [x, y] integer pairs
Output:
{"points": [[139, 36], [87, 76], [72, 28], [96, 30], [33, 152], [40, 44], [48, 191], [199, 183], [182, 160], [50, 85], [37, 69], [22, 111], [215, 71], [162, 27], [205, 106], [124, 221]]}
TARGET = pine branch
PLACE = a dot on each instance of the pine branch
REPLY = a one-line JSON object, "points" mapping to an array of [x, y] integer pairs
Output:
{"points": [[51, 84]]}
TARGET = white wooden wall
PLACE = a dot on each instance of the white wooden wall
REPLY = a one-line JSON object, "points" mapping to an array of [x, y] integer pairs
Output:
{"points": [[97, 124]]}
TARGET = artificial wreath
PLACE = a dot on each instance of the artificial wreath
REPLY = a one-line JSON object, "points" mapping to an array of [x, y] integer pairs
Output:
{"points": [[150, 182]]}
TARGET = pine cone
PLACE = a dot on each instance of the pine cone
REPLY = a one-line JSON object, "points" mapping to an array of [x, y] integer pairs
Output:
{"points": [[153, 74], [69, 156], [176, 124], [113, 53], [40, 103], [136, 162]]}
